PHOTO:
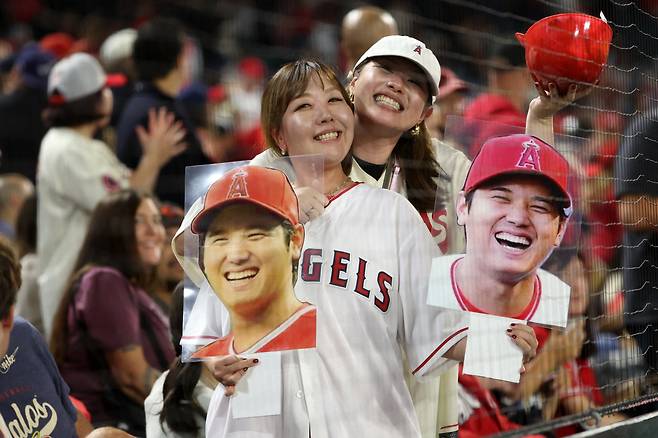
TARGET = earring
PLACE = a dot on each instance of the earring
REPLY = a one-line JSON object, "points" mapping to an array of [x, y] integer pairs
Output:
{"points": [[350, 95], [283, 152], [415, 131]]}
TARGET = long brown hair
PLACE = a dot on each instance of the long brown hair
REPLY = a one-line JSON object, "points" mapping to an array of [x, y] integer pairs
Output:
{"points": [[418, 166], [111, 242], [287, 84]]}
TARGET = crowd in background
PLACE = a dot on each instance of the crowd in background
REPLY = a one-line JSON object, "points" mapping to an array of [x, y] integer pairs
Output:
{"points": [[102, 106]]}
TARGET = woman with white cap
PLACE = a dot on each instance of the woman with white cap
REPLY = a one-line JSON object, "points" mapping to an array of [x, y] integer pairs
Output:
{"points": [[393, 86], [76, 171]]}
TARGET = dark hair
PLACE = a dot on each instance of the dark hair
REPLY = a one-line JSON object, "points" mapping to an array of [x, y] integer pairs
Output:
{"points": [[179, 407], [287, 84], [418, 166], [77, 112], [157, 48], [10, 277], [508, 57], [110, 241], [26, 227]]}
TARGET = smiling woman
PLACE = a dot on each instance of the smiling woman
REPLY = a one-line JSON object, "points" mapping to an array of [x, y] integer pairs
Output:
{"points": [[110, 339], [312, 115]]}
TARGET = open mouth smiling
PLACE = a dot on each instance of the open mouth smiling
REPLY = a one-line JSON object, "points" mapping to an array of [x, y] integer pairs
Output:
{"points": [[247, 274], [513, 241], [389, 102], [327, 136]]}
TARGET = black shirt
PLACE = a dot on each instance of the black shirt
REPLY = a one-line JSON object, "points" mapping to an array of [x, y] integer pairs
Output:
{"points": [[21, 130], [170, 185], [374, 170]]}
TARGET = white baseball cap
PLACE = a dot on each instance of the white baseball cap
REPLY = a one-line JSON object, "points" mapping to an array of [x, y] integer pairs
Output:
{"points": [[411, 49], [118, 46], [75, 77]]}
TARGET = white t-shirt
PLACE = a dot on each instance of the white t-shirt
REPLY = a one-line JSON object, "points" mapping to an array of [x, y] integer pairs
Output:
{"points": [[74, 173]]}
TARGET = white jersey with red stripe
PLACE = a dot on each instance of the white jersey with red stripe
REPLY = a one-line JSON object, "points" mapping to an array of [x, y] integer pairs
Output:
{"points": [[548, 306], [368, 280]]}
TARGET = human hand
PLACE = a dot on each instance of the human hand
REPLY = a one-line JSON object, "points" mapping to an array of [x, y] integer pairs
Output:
{"points": [[228, 370], [549, 103], [569, 342], [311, 203], [164, 138], [524, 337]]}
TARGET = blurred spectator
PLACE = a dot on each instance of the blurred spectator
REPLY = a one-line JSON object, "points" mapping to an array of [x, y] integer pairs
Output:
{"points": [[22, 127], [158, 60], [214, 118], [60, 44], [168, 272], [116, 57], [110, 339], [578, 390], [450, 102], [178, 403], [603, 235], [28, 302], [479, 412], [14, 190], [361, 28], [30, 380], [76, 171], [245, 93], [509, 90], [636, 188]]}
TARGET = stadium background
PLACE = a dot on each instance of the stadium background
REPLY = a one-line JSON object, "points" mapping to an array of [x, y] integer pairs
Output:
{"points": [[462, 33]]}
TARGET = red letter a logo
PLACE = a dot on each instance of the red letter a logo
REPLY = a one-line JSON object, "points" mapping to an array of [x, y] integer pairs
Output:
{"points": [[418, 50], [238, 187], [530, 156]]}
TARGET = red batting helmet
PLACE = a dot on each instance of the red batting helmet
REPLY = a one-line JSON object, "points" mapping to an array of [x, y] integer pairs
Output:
{"points": [[566, 48]]}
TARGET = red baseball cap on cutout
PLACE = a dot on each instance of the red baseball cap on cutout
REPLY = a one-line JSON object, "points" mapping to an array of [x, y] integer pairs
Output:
{"points": [[267, 188], [520, 154]]}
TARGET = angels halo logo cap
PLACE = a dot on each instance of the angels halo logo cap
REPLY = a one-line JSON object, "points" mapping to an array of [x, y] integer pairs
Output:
{"points": [[267, 188], [520, 154], [411, 49]]}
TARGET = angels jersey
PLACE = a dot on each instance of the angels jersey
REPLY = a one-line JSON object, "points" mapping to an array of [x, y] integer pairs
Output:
{"points": [[368, 281], [549, 304]]}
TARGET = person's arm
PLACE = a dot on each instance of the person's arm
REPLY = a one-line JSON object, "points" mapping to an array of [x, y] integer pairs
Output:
{"points": [[110, 311], [131, 371], [82, 426], [522, 335], [160, 143], [559, 348], [539, 121], [639, 212]]}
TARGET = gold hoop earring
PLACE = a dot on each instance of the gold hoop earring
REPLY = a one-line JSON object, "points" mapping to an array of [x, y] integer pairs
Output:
{"points": [[283, 152], [351, 96], [415, 131]]}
